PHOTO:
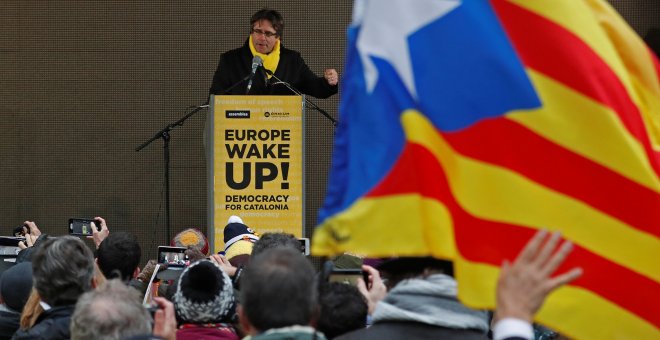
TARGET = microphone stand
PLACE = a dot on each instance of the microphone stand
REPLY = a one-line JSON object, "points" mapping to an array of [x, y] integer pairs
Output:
{"points": [[292, 89], [236, 84], [165, 135]]}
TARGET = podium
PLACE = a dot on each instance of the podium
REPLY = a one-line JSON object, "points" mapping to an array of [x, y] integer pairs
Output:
{"points": [[255, 161]]}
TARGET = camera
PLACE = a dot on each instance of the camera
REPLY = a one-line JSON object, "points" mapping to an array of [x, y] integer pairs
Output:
{"points": [[9, 241], [19, 232], [82, 226]]}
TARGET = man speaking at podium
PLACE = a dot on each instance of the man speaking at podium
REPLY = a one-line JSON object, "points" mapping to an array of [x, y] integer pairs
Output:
{"points": [[241, 71]]}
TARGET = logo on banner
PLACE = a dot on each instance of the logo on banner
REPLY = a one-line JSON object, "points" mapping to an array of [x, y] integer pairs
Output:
{"points": [[276, 114], [237, 114]]}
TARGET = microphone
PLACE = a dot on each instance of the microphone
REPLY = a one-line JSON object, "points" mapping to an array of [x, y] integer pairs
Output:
{"points": [[256, 62]]}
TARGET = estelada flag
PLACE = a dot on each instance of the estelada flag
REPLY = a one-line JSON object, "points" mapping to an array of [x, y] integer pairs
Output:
{"points": [[466, 126]]}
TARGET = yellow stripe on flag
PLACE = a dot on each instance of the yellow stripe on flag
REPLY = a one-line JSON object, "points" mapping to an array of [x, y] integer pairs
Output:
{"points": [[591, 316], [588, 128], [629, 47], [650, 111], [376, 227], [530, 204]]}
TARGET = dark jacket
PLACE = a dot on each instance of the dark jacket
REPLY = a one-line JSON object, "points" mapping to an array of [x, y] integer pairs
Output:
{"points": [[51, 324], [26, 254], [236, 64], [411, 331], [9, 323]]}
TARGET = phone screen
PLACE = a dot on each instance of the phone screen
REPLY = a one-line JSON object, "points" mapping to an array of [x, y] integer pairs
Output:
{"points": [[173, 256], [80, 226], [348, 276], [304, 245]]}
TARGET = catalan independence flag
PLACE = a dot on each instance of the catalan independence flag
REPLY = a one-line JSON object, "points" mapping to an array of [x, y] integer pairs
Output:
{"points": [[466, 126]]}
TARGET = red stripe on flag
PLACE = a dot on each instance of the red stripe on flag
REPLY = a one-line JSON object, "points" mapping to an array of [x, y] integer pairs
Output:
{"points": [[479, 240], [555, 51], [560, 169]]}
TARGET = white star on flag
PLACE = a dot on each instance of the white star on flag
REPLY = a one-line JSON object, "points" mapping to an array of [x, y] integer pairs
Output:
{"points": [[386, 26]]}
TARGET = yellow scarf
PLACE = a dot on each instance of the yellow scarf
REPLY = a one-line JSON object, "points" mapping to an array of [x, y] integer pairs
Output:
{"points": [[271, 59]]}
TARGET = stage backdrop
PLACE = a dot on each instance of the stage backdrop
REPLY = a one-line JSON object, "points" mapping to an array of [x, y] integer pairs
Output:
{"points": [[82, 83]]}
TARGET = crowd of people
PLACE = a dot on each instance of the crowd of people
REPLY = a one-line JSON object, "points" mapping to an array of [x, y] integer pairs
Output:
{"points": [[259, 287]]}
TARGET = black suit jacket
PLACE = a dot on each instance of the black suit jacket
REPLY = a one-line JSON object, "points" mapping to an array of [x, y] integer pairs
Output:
{"points": [[236, 64]]}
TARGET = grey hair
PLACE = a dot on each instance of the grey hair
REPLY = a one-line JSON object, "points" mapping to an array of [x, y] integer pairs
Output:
{"points": [[112, 311], [62, 268]]}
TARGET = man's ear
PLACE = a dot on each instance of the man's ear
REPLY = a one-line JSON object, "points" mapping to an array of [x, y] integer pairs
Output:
{"points": [[244, 322], [136, 272]]}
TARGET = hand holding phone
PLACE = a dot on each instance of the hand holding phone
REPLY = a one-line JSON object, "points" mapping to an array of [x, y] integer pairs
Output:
{"points": [[373, 288], [164, 319]]}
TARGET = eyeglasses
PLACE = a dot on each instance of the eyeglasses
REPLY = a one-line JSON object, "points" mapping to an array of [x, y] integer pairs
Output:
{"points": [[265, 34]]}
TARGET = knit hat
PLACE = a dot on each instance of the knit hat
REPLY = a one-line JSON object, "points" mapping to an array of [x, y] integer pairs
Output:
{"points": [[16, 285], [204, 294], [239, 238], [191, 237]]}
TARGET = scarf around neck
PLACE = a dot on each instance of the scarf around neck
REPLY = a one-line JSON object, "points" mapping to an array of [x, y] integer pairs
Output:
{"points": [[271, 59], [431, 301]]}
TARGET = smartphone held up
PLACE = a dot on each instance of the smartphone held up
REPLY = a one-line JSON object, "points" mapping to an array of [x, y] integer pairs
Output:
{"points": [[82, 226], [348, 276]]}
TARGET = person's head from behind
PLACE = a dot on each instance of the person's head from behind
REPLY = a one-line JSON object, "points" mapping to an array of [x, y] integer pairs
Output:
{"points": [[204, 294], [343, 309], [277, 290], [118, 256], [191, 238], [266, 28], [63, 269], [239, 240], [275, 240], [399, 269], [111, 311], [16, 286]]}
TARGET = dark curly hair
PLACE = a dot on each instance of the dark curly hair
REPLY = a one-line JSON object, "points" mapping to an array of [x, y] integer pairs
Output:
{"points": [[273, 16]]}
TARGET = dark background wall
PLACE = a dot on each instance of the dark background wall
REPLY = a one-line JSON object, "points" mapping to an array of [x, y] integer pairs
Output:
{"points": [[83, 83]]}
